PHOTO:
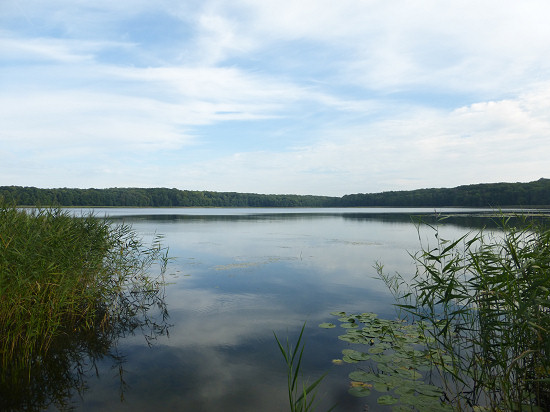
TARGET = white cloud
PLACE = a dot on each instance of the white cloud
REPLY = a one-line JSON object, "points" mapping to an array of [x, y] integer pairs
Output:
{"points": [[502, 141], [347, 96]]}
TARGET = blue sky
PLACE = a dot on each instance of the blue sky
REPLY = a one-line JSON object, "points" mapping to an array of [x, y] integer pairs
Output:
{"points": [[274, 96]]}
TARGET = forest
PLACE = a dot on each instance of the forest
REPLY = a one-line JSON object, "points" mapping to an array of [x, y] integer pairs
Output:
{"points": [[495, 195]]}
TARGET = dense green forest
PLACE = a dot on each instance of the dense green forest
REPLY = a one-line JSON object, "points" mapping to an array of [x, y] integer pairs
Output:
{"points": [[495, 195]]}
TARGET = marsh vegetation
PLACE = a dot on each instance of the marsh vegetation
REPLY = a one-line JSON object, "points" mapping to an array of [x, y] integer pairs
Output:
{"points": [[476, 314], [69, 287], [241, 274]]}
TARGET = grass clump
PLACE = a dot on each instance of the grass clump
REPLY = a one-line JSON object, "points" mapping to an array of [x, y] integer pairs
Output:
{"points": [[301, 397], [62, 275], [484, 301]]}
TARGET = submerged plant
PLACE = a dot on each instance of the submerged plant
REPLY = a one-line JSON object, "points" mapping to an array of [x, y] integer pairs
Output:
{"points": [[301, 397]]}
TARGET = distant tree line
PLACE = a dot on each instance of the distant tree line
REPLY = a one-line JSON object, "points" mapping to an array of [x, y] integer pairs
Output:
{"points": [[155, 197], [535, 193], [480, 195]]}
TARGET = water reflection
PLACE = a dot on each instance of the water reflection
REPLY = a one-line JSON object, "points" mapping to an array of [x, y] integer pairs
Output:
{"points": [[55, 380], [238, 276]]}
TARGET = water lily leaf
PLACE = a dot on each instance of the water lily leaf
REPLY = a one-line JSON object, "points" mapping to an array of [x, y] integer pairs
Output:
{"points": [[338, 313], [359, 391], [350, 339], [402, 408], [361, 376], [399, 359], [381, 387], [376, 358], [409, 373], [347, 359], [376, 349], [353, 354], [349, 325], [327, 325], [387, 400], [384, 367], [429, 390], [361, 384], [404, 390]]}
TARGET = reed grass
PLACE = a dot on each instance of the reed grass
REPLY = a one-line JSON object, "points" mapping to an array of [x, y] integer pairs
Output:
{"points": [[301, 397], [62, 275], [485, 301]]}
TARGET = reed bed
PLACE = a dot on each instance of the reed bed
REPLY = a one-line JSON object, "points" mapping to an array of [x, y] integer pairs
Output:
{"points": [[484, 302], [63, 275]]}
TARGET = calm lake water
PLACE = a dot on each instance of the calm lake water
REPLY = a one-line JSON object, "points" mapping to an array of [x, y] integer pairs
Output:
{"points": [[238, 276]]}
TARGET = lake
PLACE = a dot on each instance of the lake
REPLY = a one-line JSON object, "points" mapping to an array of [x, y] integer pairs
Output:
{"points": [[237, 277]]}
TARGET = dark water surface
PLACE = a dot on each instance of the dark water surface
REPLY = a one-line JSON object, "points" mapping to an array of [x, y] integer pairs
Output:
{"points": [[237, 276]]}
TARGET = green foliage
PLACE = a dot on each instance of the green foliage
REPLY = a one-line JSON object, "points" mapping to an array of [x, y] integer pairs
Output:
{"points": [[62, 275], [480, 195], [156, 197], [301, 398], [484, 300], [396, 357]]}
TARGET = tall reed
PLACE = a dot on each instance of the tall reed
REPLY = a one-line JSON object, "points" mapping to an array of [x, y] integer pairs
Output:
{"points": [[61, 274], [301, 397], [485, 301]]}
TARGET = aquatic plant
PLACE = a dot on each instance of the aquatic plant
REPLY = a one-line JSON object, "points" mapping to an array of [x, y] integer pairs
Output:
{"points": [[301, 397], [484, 303], [396, 361], [62, 275]]}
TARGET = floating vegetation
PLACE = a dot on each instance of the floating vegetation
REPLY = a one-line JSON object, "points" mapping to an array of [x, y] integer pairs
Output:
{"points": [[396, 360], [249, 264], [232, 266]]}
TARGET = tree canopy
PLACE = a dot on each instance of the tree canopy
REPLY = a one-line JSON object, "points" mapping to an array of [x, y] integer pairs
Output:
{"points": [[535, 193]]}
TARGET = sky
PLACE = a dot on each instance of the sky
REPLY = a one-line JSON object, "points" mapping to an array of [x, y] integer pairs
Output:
{"points": [[316, 97]]}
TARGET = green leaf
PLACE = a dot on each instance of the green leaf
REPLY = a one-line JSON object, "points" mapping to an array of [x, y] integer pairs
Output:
{"points": [[359, 391], [347, 359], [338, 313], [381, 387], [387, 400], [327, 325], [402, 408], [361, 376], [356, 355]]}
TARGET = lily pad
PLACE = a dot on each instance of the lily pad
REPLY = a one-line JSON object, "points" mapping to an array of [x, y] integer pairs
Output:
{"points": [[409, 373], [338, 313], [429, 390], [402, 408], [381, 387], [356, 355], [376, 349], [350, 339], [359, 391], [387, 400], [361, 376], [347, 359], [327, 325]]}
